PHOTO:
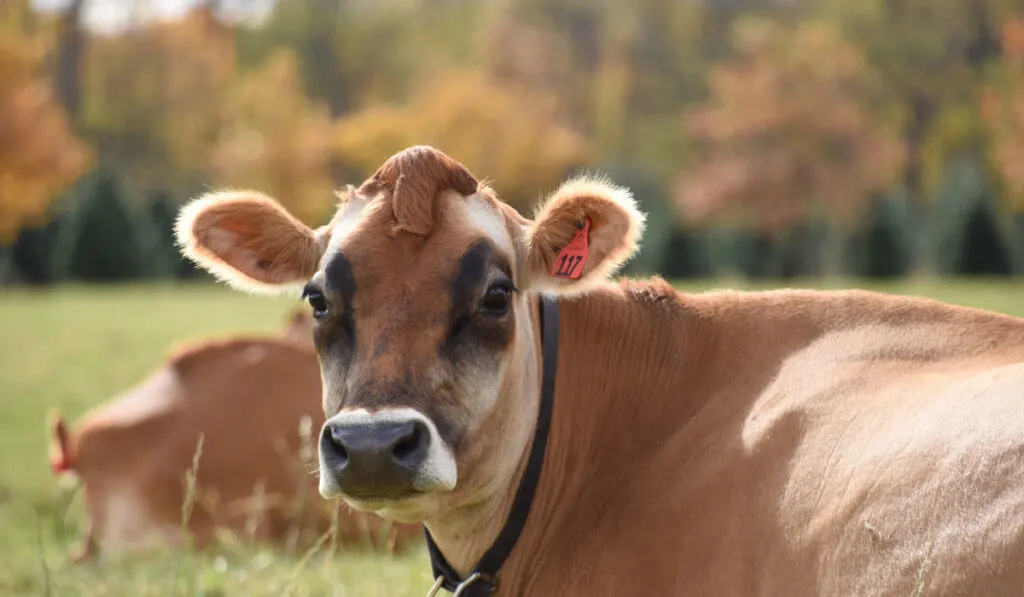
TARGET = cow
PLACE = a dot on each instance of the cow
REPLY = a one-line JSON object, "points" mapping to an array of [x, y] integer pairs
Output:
{"points": [[299, 328], [251, 401], [562, 433]]}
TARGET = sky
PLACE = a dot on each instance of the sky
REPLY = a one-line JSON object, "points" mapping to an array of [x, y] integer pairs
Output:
{"points": [[110, 16]]}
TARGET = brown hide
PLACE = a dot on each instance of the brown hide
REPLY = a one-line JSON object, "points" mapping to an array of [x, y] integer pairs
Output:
{"points": [[789, 443]]}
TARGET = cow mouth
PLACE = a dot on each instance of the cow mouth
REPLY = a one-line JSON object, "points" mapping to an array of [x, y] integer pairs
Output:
{"points": [[381, 496], [380, 501]]}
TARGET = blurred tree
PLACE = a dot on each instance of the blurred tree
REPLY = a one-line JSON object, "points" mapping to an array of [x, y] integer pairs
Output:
{"points": [[931, 55], [39, 154], [488, 126], [685, 254], [351, 52], [275, 139], [880, 246], [163, 211], [343, 60], [928, 53], [661, 223], [1002, 106], [154, 231], [32, 253], [796, 254], [789, 129], [103, 230], [69, 57], [617, 71], [785, 133], [152, 97], [966, 219], [983, 250]]}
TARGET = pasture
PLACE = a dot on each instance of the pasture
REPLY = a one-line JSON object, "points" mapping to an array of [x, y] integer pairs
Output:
{"points": [[75, 347]]}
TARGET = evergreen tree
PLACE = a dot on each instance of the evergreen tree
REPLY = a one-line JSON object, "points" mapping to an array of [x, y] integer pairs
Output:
{"points": [[105, 247]]}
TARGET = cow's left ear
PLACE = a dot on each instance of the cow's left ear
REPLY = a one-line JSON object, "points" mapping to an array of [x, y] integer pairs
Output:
{"points": [[584, 232], [250, 241]]}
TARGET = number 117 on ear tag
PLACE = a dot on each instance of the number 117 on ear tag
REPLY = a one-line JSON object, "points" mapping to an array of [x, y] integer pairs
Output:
{"points": [[573, 258]]}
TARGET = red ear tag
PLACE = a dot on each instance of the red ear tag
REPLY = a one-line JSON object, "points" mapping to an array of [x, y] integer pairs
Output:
{"points": [[573, 258]]}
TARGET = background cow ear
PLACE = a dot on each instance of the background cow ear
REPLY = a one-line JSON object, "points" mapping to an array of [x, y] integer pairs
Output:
{"points": [[249, 241], [584, 232]]}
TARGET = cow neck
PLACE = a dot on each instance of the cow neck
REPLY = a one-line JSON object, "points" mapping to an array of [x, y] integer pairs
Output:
{"points": [[482, 580]]}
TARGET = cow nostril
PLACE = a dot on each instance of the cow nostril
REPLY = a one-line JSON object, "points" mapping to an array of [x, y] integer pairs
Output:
{"points": [[340, 453], [338, 450], [408, 444]]}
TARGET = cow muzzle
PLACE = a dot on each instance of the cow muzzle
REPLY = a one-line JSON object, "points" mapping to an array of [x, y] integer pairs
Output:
{"points": [[386, 455]]}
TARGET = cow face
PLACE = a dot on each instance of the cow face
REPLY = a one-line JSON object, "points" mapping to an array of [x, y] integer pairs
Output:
{"points": [[420, 289]]}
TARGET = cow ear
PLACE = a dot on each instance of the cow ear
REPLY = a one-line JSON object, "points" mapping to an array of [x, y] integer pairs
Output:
{"points": [[584, 232], [249, 241]]}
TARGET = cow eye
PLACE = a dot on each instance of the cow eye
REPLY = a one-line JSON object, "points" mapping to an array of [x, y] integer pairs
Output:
{"points": [[316, 301], [497, 299]]}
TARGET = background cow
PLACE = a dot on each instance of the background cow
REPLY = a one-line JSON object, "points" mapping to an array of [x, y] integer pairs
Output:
{"points": [[256, 403]]}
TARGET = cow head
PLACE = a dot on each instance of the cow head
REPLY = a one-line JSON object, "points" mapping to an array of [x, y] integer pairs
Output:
{"points": [[420, 288]]}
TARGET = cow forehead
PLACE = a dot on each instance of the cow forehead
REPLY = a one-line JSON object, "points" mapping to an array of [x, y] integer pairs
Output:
{"points": [[361, 233]]}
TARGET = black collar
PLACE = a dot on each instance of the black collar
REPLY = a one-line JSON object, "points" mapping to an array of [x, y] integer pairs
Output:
{"points": [[483, 579]]}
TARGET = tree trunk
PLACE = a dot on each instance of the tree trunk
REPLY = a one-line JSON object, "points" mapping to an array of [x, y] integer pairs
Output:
{"points": [[7, 273], [832, 262], [922, 110], [71, 48]]}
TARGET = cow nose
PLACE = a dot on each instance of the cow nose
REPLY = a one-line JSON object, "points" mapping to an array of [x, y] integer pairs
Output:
{"points": [[377, 459]]}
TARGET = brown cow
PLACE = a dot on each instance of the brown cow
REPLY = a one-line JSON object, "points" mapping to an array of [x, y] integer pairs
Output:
{"points": [[132, 455], [765, 443], [299, 328]]}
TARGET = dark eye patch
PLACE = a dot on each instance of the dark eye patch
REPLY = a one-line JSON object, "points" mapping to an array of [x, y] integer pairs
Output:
{"points": [[339, 288], [338, 278], [470, 298], [471, 273]]}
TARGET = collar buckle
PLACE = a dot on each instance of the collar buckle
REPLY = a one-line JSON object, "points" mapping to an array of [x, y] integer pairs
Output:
{"points": [[460, 590]]}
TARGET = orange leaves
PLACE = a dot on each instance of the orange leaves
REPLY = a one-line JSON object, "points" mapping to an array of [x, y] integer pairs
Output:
{"points": [[1013, 39], [496, 130], [786, 130], [39, 154], [155, 94], [274, 139]]}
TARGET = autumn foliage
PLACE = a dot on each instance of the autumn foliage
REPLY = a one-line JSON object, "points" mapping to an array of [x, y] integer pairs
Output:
{"points": [[1002, 107], [153, 98], [786, 130], [275, 139], [39, 154], [768, 117], [491, 126]]}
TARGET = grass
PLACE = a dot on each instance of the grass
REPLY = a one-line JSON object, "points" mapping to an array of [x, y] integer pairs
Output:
{"points": [[75, 347]]}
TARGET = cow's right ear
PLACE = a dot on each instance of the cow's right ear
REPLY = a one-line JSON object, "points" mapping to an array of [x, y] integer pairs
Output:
{"points": [[249, 240], [585, 231]]}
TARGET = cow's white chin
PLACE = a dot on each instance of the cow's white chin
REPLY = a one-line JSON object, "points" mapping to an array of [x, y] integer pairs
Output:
{"points": [[407, 510]]}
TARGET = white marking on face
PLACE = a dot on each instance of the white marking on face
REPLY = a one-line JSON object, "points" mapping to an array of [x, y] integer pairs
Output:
{"points": [[333, 373], [486, 218], [350, 215], [438, 472], [480, 386]]}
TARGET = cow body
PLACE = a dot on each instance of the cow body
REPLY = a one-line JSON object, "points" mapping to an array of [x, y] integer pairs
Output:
{"points": [[252, 477], [793, 443], [790, 443]]}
